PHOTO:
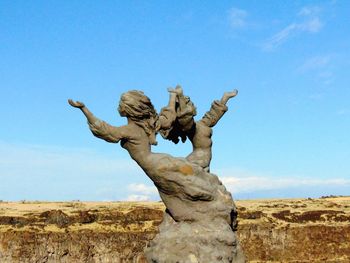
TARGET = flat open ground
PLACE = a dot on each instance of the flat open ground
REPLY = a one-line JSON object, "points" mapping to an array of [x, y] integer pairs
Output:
{"points": [[281, 212], [270, 230]]}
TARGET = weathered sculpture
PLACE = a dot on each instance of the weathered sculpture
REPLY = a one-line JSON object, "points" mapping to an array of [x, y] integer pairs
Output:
{"points": [[199, 223]]}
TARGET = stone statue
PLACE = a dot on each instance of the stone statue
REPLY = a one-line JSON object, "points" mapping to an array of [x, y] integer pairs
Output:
{"points": [[199, 223]]}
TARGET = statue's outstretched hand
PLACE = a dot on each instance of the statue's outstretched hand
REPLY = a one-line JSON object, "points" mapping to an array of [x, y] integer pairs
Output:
{"points": [[171, 90], [178, 90], [76, 104], [229, 95]]}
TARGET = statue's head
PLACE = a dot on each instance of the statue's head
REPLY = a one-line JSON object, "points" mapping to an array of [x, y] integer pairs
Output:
{"points": [[135, 105]]}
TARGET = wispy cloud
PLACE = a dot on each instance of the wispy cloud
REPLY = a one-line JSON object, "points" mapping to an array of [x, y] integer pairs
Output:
{"points": [[56, 173], [237, 18], [142, 189], [307, 21], [59, 173], [38, 160], [240, 181], [280, 37], [309, 11], [142, 192], [314, 63], [138, 198], [320, 66], [251, 184]]}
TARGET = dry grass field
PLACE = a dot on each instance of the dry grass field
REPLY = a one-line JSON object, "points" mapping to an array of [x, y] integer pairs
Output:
{"points": [[270, 230]]}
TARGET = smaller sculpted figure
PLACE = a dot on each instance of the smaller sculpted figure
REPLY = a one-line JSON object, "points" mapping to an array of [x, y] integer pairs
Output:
{"points": [[199, 223], [199, 133]]}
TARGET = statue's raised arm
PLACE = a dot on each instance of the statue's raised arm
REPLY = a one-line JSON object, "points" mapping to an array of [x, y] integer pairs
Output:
{"points": [[167, 115], [100, 128]]}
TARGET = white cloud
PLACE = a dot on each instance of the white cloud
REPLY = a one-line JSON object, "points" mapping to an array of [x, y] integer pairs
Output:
{"points": [[251, 184], [320, 66], [142, 189], [36, 160], [279, 37], [318, 62], [59, 173], [237, 17], [239, 181], [309, 11], [308, 21], [313, 25], [142, 192], [50, 167], [138, 198], [312, 22]]}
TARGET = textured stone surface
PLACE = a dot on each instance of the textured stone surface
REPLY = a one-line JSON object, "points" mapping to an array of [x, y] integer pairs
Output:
{"points": [[268, 230]]}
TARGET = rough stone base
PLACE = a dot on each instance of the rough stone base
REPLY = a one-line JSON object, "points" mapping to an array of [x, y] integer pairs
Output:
{"points": [[189, 242]]}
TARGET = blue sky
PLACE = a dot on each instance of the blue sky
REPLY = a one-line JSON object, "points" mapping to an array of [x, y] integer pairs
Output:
{"points": [[286, 134]]}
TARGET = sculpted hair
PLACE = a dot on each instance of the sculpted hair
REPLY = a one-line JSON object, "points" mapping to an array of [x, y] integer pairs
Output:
{"points": [[138, 107]]}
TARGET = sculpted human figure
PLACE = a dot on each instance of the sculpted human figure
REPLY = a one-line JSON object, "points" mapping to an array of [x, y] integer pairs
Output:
{"points": [[200, 132], [200, 216]]}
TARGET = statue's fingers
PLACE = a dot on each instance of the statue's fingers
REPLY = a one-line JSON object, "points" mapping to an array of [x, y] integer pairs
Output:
{"points": [[179, 90], [76, 104], [71, 102], [170, 89]]}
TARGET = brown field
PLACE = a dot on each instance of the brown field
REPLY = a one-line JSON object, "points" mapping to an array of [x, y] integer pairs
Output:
{"points": [[271, 230]]}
